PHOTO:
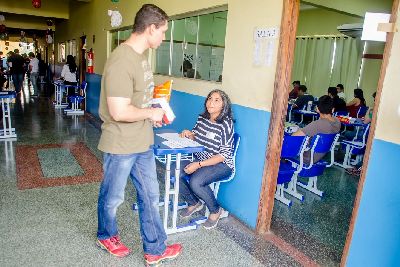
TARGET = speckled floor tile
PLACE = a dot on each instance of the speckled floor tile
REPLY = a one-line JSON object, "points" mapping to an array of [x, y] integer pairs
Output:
{"points": [[54, 223], [318, 226], [58, 162]]}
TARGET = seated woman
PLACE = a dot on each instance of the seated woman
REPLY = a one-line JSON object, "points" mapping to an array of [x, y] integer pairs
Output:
{"points": [[214, 130], [355, 104]]}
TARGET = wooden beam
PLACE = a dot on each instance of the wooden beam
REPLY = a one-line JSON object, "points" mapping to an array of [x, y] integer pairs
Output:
{"points": [[372, 56], [386, 56], [282, 84]]}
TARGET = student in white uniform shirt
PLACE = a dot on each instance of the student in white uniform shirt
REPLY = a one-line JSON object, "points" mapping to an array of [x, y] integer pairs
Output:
{"points": [[69, 74], [34, 70], [340, 90]]}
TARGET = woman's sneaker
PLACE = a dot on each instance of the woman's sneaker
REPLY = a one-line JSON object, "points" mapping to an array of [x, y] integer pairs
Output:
{"points": [[114, 246], [210, 224], [171, 252], [186, 213]]}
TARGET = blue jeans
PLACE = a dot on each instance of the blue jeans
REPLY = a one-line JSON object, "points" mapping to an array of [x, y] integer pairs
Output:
{"points": [[34, 81], [142, 169], [198, 185], [18, 80]]}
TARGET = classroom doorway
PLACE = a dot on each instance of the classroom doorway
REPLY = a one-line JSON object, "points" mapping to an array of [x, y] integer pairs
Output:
{"points": [[319, 228]]}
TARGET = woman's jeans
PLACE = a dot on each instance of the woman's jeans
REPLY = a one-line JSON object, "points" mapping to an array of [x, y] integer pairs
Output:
{"points": [[142, 169], [198, 185]]}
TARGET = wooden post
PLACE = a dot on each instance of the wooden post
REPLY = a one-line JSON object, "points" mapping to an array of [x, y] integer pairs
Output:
{"points": [[278, 113]]}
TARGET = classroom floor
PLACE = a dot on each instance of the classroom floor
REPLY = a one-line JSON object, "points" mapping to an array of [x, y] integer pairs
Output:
{"points": [[318, 226], [49, 181]]}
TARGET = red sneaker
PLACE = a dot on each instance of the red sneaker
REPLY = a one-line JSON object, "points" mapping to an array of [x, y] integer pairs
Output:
{"points": [[114, 246], [170, 252]]}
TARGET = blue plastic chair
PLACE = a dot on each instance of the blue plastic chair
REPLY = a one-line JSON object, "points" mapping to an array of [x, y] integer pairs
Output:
{"points": [[362, 110], [215, 186], [76, 100], [292, 147], [320, 143], [355, 147]]}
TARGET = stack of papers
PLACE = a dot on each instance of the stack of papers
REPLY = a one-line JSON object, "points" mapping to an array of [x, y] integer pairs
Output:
{"points": [[174, 141]]}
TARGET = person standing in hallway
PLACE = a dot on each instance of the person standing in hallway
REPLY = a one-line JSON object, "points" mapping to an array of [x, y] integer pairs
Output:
{"points": [[127, 134], [16, 63], [34, 70]]}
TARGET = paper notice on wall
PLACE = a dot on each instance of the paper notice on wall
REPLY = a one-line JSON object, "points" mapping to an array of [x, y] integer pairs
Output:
{"points": [[263, 53]]}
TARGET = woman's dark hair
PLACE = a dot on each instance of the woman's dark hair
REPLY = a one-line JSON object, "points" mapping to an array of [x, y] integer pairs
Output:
{"points": [[71, 64], [226, 111], [358, 93], [332, 91], [325, 104], [147, 15]]}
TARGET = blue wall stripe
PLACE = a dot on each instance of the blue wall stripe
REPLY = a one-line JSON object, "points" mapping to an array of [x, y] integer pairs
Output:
{"points": [[376, 236], [93, 93]]}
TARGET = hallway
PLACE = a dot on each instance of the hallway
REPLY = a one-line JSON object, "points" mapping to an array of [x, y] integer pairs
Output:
{"points": [[49, 197]]}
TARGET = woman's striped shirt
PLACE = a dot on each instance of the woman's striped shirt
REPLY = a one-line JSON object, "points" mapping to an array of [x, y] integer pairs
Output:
{"points": [[217, 138]]}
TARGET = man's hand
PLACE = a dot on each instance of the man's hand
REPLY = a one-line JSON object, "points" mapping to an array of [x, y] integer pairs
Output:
{"points": [[156, 114]]}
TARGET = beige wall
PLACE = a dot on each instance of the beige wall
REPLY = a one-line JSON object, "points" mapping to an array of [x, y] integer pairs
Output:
{"points": [[246, 84], [356, 7], [388, 121], [322, 22]]}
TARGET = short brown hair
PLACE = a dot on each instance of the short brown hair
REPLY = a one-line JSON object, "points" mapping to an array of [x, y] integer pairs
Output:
{"points": [[149, 14]]}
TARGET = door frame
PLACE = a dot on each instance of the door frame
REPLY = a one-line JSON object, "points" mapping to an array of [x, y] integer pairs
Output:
{"points": [[287, 39]]}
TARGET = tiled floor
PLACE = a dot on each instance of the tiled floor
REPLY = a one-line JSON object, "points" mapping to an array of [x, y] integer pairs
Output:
{"points": [[47, 220], [49, 186]]}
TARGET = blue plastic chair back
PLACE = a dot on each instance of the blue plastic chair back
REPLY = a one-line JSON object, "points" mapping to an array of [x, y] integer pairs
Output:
{"points": [[83, 85], [322, 143], [362, 110], [341, 113], [292, 146]]}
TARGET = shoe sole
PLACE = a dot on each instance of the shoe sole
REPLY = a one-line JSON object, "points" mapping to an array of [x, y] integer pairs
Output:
{"points": [[100, 245], [160, 261]]}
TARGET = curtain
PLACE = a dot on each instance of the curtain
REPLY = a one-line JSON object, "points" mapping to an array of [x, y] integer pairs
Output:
{"points": [[346, 69], [326, 61], [299, 60]]}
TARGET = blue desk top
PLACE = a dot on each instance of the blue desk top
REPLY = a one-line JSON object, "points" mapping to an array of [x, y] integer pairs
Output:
{"points": [[7, 94], [160, 149]]}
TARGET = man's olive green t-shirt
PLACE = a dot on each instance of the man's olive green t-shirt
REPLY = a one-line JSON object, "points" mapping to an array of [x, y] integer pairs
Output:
{"points": [[126, 74]]}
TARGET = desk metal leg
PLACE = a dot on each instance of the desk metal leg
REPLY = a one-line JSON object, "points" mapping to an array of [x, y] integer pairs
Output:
{"points": [[7, 131], [175, 192]]}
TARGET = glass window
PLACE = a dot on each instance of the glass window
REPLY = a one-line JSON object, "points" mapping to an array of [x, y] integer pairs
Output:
{"points": [[61, 52], [194, 47], [118, 37]]}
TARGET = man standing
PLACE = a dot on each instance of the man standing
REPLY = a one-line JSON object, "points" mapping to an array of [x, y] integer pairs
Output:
{"points": [[34, 70], [16, 63], [127, 134], [295, 91]]}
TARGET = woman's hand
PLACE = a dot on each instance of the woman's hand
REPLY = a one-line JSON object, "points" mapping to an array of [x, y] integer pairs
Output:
{"points": [[187, 134], [192, 167]]}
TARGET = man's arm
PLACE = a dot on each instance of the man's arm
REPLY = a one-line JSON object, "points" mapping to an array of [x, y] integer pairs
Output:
{"points": [[299, 132], [121, 109]]}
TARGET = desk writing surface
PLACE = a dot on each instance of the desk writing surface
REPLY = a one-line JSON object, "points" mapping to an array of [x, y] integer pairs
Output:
{"points": [[161, 149]]}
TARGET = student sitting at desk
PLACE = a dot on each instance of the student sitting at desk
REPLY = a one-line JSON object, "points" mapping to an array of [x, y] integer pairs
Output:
{"points": [[326, 124], [338, 103], [303, 98], [214, 130]]}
